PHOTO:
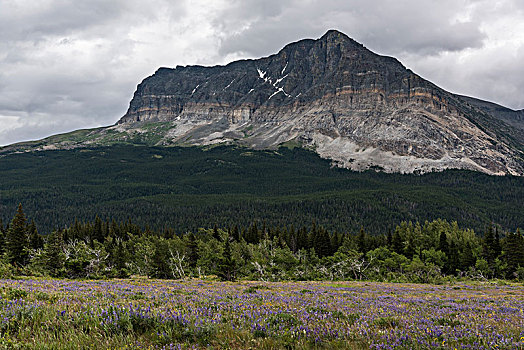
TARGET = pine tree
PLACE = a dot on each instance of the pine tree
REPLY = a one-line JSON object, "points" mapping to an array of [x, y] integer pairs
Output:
{"points": [[323, 243], [487, 246], [2, 237], [98, 232], [409, 252], [192, 248], [236, 233], [227, 266], [114, 230], [16, 239], [120, 259], [443, 245], [453, 262], [54, 254], [252, 234], [389, 239], [159, 261], [497, 247], [216, 235], [302, 239], [467, 257], [396, 243], [362, 241], [35, 239], [514, 251]]}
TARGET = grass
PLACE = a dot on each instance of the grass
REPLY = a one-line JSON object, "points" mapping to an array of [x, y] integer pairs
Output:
{"points": [[154, 314]]}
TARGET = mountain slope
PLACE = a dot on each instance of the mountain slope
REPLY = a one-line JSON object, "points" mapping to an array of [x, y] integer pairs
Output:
{"points": [[350, 105], [192, 187], [510, 116]]}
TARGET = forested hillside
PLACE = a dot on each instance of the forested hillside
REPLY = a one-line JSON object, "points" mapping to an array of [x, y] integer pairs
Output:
{"points": [[189, 187]]}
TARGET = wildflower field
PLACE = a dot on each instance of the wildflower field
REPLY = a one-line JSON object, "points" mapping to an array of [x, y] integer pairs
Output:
{"points": [[155, 314]]}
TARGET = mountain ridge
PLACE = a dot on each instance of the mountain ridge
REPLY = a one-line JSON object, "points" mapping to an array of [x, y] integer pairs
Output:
{"points": [[355, 107]]}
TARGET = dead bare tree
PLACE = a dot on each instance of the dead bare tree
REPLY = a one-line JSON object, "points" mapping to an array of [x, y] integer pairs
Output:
{"points": [[176, 264]]}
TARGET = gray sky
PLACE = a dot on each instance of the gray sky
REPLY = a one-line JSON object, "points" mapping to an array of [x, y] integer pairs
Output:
{"points": [[70, 64]]}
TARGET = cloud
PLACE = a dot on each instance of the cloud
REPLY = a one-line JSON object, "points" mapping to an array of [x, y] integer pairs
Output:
{"points": [[395, 26], [75, 64]]}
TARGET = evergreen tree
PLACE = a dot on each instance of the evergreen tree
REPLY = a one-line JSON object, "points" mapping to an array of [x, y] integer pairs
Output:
{"points": [[98, 232], [488, 244], [443, 245], [192, 248], [302, 238], [362, 241], [159, 261], [453, 262], [120, 258], [16, 239], [264, 234], [227, 266], [216, 235], [396, 243], [409, 251], [497, 247], [54, 254], [389, 239], [514, 252], [322, 243], [2, 237], [252, 234], [114, 229], [236, 233], [35, 239], [467, 257]]}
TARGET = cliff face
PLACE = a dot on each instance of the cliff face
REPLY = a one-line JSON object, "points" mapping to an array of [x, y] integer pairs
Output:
{"points": [[360, 109], [351, 105]]}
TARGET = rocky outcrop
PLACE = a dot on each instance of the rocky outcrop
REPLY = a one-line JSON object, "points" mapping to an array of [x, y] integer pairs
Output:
{"points": [[355, 107], [510, 116], [360, 109]]}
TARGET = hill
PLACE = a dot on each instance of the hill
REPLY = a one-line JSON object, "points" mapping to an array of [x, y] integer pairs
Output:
{"points": [[191, 187]]}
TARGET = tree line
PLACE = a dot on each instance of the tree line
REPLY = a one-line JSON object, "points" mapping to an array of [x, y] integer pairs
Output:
{"points": [[192, 187], [412, 252]]}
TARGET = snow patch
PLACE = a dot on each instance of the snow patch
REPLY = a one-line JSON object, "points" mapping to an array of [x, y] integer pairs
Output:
{"points": [[283, 70], [285, 93], [261, 73], [276, 92], [195, 89], [280, 79], [228, 85]]}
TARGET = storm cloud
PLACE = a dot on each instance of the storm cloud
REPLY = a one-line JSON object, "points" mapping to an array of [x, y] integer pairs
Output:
{"points": [[66, 65]]}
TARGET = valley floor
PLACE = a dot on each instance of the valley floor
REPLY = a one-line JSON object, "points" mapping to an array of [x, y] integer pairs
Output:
{"points": [[157, 314]]}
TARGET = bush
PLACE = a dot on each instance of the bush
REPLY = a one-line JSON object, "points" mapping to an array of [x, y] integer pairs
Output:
{"points": [[6, 270]]}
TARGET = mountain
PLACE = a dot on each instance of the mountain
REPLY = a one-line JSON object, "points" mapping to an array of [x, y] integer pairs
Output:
{"points": [[510, 116], [352, 106]]}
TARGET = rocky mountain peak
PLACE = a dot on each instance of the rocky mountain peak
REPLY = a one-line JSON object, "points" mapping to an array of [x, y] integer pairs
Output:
{"points": [[334, 37], [357, 108]]}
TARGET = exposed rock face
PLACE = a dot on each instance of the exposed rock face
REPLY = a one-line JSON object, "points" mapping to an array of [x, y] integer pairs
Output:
{"points": [[351, 105], [511, 117], [355, 107]]}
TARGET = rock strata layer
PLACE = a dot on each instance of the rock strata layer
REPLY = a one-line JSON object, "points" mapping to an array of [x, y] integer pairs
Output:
{"points": [[360, 109]]}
